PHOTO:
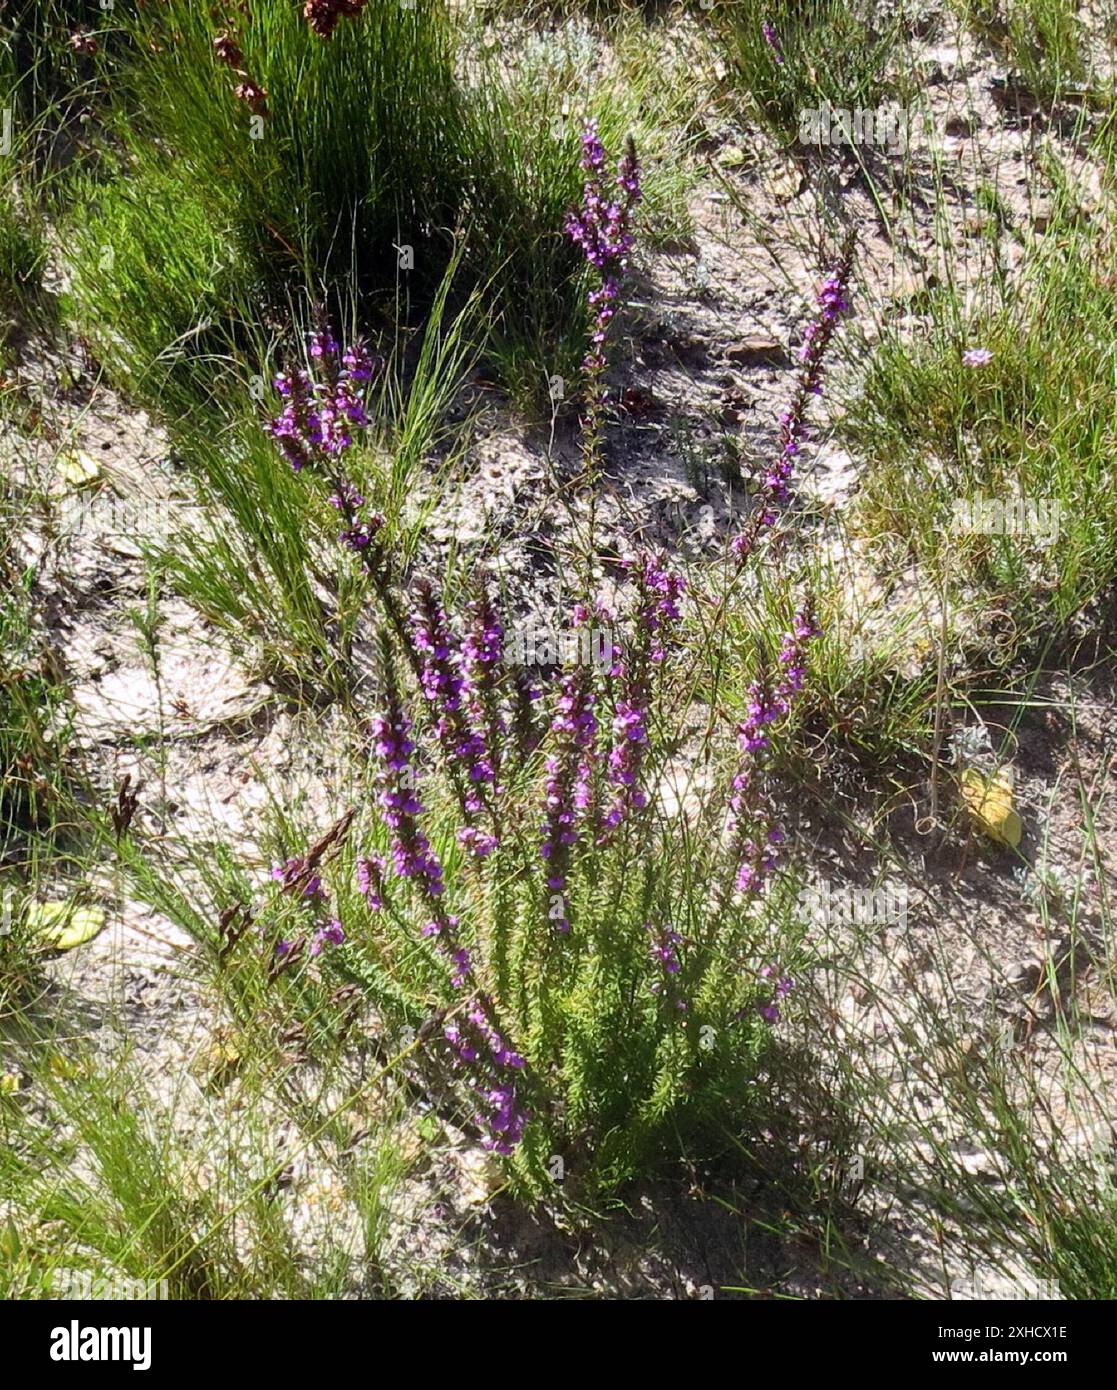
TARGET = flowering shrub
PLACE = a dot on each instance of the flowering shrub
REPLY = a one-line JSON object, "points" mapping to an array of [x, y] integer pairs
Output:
{"points": [[583, 956], [591, 958]]}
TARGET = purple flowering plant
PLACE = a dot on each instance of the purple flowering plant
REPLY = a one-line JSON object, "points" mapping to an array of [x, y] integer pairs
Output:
{"points": [[832, 302], [581, 958], [578, 945], [602, 228]]}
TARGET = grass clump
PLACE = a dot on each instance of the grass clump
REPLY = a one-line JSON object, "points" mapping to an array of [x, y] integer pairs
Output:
{"points": [[789, 58], [1011, 405]]}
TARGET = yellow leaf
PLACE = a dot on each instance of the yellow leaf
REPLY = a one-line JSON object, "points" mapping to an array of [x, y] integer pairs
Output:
{"points": [[217, 1063], [989, 800], [61, 926], [78, 468]]}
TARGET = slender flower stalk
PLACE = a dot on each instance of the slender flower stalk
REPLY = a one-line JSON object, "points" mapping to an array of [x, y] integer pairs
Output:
{"points": [[665, 945], [370, 880], [568, 785], [784, 984], [322, 409], [482, 1053], [525, 694], [482, 665], [482, 658], [772, 39], [832, 302], [448, 677], [400, 806], [757, 835], [602, 229], [659, 591], [479, 1043]]}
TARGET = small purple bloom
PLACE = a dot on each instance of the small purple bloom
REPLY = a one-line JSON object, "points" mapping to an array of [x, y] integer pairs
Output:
{"points": [[332, 934], [772, 39]]}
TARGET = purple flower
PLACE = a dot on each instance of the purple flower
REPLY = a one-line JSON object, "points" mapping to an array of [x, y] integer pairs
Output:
{"points": [[455, 683], [358, 362], [440, 678], [482, 657], [832, 302], [657, 609], [370, 880], [567, 789], [482, 1053], [602, 229], [462, 966], [323, 344], [332, 934], [770, 1008], [757, 837], [359, 533], [294, 872], [772, 39], [477, 841], [399, 802], [321, 409], [664, 948], [977, 357], [665, 945]]}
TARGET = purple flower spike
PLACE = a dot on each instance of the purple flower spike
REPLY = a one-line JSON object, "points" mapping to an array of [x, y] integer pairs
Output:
{"points": [[659, 592], [370, 880], [459, 685], [321, 410], [772, 39], [770, 1008], [758, 837], [568, 789], [832, 303], [482, 1054], [602, 229], [399, 802], [665, 945]]}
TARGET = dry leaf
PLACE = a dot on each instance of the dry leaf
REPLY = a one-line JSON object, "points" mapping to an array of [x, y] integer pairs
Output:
{"points": [[989, 800]]}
